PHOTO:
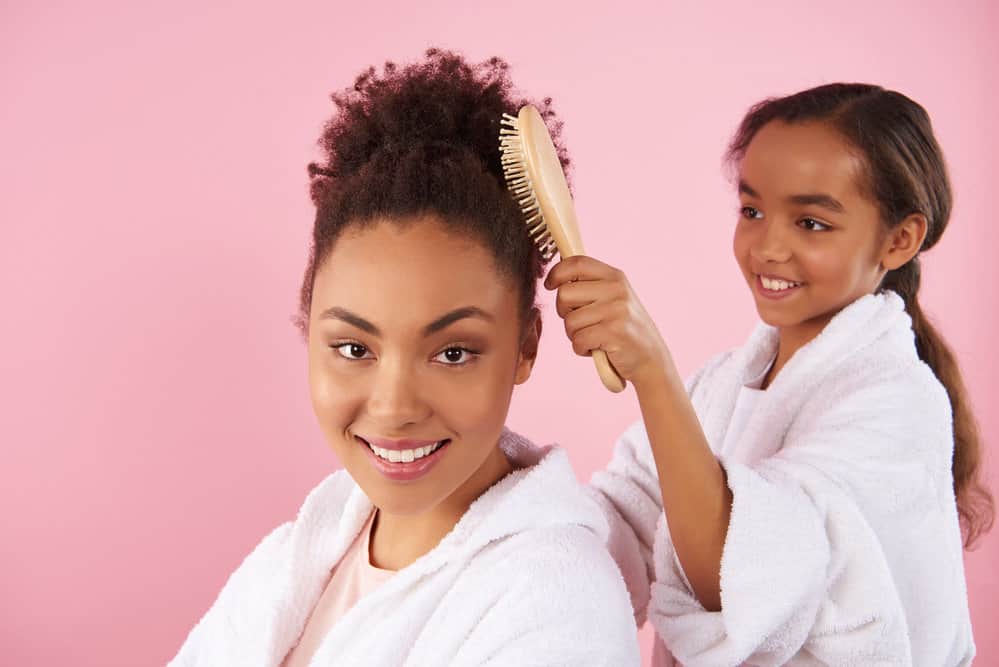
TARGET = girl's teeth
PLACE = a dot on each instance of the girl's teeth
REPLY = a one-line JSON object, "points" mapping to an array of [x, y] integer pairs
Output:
{"points": [[404, 455], [776, 285]]}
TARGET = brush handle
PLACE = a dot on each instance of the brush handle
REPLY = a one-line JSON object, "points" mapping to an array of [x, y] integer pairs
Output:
{"points": [[607, 372]]}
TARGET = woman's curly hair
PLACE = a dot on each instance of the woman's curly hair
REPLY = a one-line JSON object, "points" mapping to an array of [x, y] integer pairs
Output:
{"points": [[423, 140]]}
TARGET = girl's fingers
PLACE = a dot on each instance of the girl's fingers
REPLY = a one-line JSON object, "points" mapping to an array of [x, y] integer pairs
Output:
{"points": [[572, 296], [579, 268], [593, 337], [590, 315]]}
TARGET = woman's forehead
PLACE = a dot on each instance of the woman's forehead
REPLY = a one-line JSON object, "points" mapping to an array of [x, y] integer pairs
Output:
{"points": [[411, 272]]}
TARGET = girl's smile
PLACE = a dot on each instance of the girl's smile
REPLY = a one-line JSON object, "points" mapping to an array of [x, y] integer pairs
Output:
{"points": [[776, 287]]}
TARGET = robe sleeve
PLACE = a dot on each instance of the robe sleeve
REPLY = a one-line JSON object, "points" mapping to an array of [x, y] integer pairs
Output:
{"points": [[804, 572], [629, 495]]}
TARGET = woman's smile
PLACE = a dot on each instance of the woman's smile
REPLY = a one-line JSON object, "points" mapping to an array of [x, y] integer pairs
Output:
{"points": [[403, 460]]}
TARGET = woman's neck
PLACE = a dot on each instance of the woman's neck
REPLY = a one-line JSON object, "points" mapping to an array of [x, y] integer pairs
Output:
{"points": [[399, 539]]}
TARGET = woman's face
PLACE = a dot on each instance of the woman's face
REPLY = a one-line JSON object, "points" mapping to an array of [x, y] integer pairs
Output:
{"points": [[808, 241], [414, 349]]}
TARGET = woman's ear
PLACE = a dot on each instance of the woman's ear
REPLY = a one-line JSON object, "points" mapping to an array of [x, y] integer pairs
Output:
{"points": [[904, 241], [528, 347]]}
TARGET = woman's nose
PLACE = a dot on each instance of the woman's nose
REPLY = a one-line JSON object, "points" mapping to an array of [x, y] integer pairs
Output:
{"points": [[395, 399]]}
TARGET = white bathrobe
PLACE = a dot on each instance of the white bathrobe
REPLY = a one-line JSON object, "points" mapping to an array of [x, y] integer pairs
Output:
{"points": [[524, 578], [843, 545]]}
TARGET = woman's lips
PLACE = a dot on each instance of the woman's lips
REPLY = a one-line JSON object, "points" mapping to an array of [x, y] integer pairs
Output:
{"points": [[409, 467]]}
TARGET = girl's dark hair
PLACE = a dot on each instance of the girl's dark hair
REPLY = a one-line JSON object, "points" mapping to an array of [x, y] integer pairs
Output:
{"points": [[424, 140], [905, 174]]}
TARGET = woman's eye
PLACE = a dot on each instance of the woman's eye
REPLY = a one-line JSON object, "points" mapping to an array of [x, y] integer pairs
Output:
{"points": [[750, 212], [813, 225], [455, 356], [352, 351]]}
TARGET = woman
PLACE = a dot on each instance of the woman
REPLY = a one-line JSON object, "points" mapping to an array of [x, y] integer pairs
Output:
{"points": [[447, 539]]}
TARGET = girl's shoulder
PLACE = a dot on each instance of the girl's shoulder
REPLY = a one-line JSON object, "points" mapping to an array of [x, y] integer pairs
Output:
{"points": [[889, 367], [710, 369]]}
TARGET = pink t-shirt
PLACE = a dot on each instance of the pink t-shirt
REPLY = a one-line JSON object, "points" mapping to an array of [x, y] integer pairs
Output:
{"points": [[352, 578]]}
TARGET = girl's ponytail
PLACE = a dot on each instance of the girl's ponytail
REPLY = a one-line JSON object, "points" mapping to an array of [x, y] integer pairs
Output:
{"points": [[906, 174], [974, 502]]}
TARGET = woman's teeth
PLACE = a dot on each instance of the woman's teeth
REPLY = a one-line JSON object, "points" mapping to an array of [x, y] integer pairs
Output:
{"points": [[405, 455], [777, 285]]}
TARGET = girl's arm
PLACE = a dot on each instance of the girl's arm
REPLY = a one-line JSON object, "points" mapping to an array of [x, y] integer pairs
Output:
{"points": [[696, 498], [601, 311]]}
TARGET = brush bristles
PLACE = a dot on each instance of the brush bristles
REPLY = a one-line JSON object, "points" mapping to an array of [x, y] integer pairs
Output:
{"points": [[519, 183]]}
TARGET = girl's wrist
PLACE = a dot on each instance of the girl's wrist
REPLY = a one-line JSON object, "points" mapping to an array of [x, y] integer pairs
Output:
{"points": [[657, 378]]}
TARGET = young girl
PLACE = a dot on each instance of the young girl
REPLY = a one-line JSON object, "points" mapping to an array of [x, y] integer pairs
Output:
{"points": [[798, 499], [447, 539]]}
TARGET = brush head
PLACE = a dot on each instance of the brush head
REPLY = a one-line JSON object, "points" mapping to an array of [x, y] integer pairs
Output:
{"points": [[535, 178]]}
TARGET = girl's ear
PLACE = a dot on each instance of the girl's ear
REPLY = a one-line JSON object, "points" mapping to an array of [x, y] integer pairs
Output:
{"points": [[528, 347], [904, 241]]}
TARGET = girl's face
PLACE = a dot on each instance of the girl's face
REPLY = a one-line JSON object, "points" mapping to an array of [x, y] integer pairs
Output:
{"points": [[414, 349], [808, 241]]}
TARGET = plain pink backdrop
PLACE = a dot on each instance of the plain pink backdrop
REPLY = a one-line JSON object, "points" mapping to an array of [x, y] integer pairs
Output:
{"points": [[155, 419]]}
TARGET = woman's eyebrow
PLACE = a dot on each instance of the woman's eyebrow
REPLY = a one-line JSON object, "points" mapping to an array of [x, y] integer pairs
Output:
{"points": [[338, 313], [454, 316]]}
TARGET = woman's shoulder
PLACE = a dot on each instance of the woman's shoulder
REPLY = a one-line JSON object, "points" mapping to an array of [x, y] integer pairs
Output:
{"points": [[330, 495], [556, 569], [332, 492]]}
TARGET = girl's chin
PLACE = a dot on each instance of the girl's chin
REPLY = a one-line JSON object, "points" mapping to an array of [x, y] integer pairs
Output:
{"points": [[779, 320], [776, 316]]}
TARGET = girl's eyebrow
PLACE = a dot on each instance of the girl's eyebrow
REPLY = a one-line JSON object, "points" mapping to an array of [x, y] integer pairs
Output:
{"points": [[822, 200], [338, 313], [817, 199], [746, 190]]}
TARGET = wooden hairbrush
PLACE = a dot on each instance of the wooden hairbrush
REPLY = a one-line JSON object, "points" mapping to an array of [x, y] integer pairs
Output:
{"points": [[534, 175]]}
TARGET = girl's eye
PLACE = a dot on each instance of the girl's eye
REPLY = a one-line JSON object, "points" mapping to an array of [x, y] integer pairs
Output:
{"points": [[750, 212], [813, 225], [455, 356], [352, 351]]}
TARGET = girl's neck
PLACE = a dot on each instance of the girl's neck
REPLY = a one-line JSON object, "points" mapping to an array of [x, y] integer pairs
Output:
{"points": [[792, 339], [399, 539]]}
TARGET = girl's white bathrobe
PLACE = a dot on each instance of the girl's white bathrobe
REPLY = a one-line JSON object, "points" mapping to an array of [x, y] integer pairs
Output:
{"points": [[843, 545], [524, 578]]}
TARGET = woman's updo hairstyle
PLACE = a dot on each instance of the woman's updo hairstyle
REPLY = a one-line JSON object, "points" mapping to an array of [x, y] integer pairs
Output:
{"points": [[423, 140]]}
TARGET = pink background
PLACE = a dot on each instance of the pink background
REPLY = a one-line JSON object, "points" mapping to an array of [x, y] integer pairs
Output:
{"points": [[155, 419]]}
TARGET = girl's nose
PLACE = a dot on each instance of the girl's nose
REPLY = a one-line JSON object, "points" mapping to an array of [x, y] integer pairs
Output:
{"points": [[772, 244], [395, 399]]}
